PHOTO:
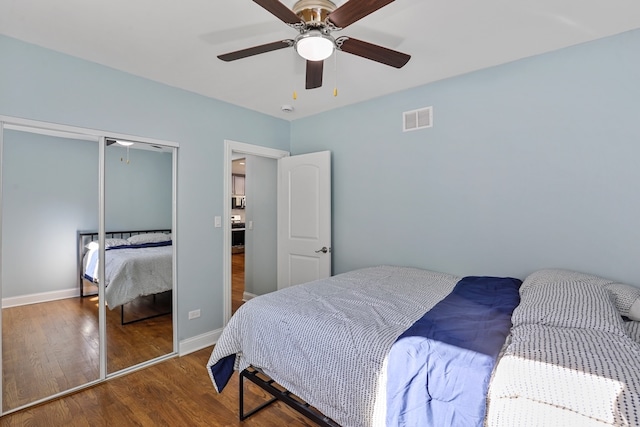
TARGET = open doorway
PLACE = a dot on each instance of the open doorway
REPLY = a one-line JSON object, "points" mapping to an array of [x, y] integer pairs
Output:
{"points": [[257, 259], [254, 238], [238, 230]]}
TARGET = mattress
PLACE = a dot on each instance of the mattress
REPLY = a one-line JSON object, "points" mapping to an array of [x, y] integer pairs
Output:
{"points": [[329, 343], [570, 357], [132, 272]]}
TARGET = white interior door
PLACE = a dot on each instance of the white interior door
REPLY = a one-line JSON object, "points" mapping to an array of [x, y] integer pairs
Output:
{"points": [[304, 218]]}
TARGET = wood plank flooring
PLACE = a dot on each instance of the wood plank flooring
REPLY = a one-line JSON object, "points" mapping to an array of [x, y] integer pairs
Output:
{"points": [[134, 343], [177, 392], [52, 347], [237, 281], [174, 392]]}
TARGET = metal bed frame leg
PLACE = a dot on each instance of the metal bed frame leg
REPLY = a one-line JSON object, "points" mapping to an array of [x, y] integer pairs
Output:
{"points": [[122, 322], [283, 395], [242, 414]]}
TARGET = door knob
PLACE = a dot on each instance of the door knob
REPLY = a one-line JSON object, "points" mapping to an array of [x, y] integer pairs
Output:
{"points": [[324, 250]]}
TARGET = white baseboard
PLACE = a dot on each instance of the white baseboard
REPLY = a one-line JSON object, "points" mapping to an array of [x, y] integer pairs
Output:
{"points": [[246, 296], [198, 342], [40, 297]]}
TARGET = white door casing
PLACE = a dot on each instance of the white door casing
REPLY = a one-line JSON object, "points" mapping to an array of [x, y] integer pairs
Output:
{"points": [[304, 218]]}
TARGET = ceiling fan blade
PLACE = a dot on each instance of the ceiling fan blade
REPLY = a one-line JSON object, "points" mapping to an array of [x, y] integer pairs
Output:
{"points": [[314, 74], [353, 11], [280, 11], [256, 50], [373, 52]]}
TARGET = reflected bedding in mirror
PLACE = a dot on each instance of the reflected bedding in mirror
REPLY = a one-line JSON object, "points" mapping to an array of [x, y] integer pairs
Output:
{"points": [[138, 266]]}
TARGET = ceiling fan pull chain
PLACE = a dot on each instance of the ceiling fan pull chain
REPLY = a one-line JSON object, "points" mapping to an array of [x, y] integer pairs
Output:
{"points": [[335, 73], [295, 95]]}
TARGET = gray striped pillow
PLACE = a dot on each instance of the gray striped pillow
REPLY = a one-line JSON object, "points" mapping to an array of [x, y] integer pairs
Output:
{"points": [[626, 298]]}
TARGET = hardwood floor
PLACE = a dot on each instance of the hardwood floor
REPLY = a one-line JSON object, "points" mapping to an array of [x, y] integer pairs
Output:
{"points": [[134, 343], [176, 392], [52, 347], [237, 281], [43, 332]]}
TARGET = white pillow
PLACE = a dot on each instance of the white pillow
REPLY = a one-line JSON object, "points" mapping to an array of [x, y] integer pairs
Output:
{"points": [[626, 299], [92, 245], [140, 239], [108, 243], [567, 302]]}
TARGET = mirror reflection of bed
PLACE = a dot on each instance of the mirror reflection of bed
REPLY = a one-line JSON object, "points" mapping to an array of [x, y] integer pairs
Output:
{"points": [[146, 204], [140, 304], [50, 190]]}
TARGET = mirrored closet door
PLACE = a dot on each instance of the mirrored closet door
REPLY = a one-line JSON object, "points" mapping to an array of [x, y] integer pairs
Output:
{"points": [[88, 249], [50, 336], [138, 218]]}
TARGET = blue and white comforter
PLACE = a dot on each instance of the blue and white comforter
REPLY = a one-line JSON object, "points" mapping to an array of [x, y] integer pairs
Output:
{"points": [[440, 368], [329, 342]]}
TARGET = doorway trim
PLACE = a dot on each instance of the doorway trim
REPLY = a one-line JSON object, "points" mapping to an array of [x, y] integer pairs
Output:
{"points": [[231, 148]]}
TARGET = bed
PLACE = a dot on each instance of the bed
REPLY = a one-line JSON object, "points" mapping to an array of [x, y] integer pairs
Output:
{"points": [[137, 264], [402, 346]]}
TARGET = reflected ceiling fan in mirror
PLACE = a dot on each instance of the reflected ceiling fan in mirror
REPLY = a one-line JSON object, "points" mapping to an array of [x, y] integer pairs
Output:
{"points": [[315, 20]]}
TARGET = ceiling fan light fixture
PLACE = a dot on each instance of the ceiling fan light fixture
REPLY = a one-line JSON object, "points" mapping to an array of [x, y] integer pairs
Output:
{"points": [[314, 45]]}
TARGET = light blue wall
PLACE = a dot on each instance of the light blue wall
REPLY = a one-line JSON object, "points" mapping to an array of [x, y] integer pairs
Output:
{"points": [[50, 192], [532, 164], [529, 165], [261, 274], [44, 85], [138, 193]]}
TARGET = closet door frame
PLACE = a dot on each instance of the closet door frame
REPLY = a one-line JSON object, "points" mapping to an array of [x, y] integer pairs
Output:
{"points": [[53, 129]]}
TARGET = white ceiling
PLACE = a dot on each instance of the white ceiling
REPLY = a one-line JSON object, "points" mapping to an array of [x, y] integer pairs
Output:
{"points": [[176, 42]]}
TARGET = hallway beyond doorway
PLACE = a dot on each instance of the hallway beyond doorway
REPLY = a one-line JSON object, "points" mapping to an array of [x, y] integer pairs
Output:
{"points": [[237, 281]]}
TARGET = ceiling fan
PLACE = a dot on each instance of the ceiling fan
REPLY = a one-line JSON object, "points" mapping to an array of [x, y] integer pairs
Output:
{"points": [[315, 20]]}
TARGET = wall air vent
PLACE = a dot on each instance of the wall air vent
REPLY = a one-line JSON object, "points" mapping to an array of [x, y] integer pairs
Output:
{"points": [[417, 119]]}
